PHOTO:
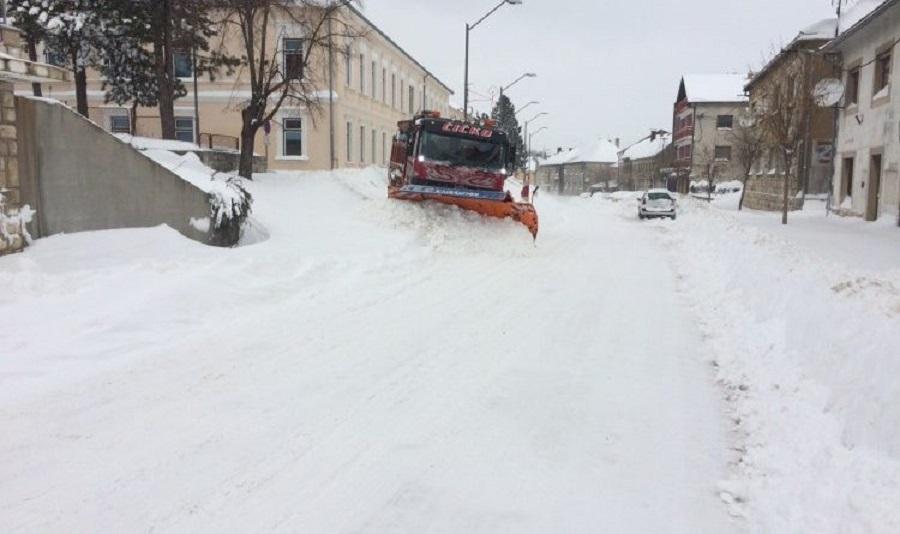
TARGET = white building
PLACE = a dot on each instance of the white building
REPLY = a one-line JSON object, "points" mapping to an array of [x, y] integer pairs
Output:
{"points": [[867, 166]]}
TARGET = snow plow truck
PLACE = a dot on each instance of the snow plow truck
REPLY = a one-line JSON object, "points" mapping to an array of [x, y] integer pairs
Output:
{"points": [[464, 164]]}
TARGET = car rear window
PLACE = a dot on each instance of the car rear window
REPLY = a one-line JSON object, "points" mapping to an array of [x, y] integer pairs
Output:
{"points": [[659, 196]]}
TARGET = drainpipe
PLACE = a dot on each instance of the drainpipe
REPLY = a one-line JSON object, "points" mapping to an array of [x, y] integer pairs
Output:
{"points": [[331, 157]]}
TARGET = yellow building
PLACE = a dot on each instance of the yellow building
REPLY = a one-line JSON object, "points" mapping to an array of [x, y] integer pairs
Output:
{"points": [[373, 86]]}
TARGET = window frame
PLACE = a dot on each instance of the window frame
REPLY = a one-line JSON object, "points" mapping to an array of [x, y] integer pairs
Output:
{"points": [[854, 74], [285, 54], [190, 64], [362, 145], [719, 122], [881, 77], [181, 129], [285, 130], [411, 98], [112, 127], [349, 141], [727, 148]]}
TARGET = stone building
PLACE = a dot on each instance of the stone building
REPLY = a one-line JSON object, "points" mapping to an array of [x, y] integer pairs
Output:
{"points": [[867, 176], [575, 171], [15, 68], [376, 83], [800, 62], [646, 164], [705, 112]]}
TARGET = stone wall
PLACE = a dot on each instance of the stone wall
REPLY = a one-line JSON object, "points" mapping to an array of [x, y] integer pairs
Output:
{"points": [[12, 236], [766, 192]]}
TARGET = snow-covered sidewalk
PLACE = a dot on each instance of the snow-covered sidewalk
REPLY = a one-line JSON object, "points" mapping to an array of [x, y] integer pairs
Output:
{"points": [[803, 322], [364, 365]]}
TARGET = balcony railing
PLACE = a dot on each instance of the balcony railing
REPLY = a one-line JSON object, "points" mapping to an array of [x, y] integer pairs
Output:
{"points": [[227, 142]]}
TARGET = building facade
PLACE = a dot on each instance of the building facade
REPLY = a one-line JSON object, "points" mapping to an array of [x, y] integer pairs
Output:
{"points": [[375, 83], [577, 171], [801, 64], [865, 181], [706, 111], [647, 163]]}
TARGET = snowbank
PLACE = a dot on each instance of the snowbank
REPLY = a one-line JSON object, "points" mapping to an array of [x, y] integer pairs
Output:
{"points": [[151, 143], [805, 352]]}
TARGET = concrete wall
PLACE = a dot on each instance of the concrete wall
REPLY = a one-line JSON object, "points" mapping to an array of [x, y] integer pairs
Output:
{"points": [[78, 177], [870, 127]]}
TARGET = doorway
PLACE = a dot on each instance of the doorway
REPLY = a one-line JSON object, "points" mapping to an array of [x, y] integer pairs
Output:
{"points": [[846, 190], [873, 199]]}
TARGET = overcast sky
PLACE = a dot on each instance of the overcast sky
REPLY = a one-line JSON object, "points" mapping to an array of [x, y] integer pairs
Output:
{"points": [[605, 67]]}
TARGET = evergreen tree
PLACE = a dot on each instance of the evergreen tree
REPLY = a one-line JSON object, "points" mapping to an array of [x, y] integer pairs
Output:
{"points": [[70, 33], [504, 113]]}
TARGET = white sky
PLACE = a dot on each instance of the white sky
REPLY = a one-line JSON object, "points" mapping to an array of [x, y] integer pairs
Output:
{"points": [[605, 67]]}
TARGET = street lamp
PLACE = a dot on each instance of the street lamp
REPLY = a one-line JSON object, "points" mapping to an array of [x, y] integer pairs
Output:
{"points": [[469, 28], [519, 79], [526, 105], [530, 137]]}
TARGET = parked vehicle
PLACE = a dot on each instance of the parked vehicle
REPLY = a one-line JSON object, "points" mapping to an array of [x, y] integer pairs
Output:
{"points": [[657, 203]]}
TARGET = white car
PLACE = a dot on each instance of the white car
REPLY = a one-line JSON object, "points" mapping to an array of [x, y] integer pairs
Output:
{"points": [[657, 203]]}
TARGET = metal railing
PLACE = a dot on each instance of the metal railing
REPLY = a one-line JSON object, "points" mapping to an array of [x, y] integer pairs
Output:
{"points": [[227, 142]]}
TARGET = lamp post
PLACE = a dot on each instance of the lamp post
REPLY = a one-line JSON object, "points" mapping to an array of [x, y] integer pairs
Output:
{"points": [[529, 121], [521, 109], [530, 137], [519, 79], [469, 28]]}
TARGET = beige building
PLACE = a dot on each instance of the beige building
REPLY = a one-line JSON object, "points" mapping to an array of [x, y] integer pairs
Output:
{"points": [[374, 85], [867, 177], [799, 62], [705, 114], [576, 171]]}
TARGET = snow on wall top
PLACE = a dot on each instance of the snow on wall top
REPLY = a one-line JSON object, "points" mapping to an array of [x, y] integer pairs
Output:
{"points": [[647, 148], [715, 87], [601, 151]]}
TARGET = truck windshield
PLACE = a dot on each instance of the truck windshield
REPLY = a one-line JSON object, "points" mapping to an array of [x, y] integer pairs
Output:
{"points": [[462, 152]]}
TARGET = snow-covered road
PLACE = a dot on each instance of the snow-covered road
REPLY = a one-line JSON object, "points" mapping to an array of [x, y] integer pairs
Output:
{"points": [[372, 366]]}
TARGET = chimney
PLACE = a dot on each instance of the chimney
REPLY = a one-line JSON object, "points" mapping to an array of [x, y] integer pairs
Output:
{"points": [[617, 142], [558, 150]]}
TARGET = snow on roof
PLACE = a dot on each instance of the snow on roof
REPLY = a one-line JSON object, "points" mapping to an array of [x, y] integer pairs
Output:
{"points": [[647, 148], [822, 30], [601, 151], [715, 87], [856, 12]]}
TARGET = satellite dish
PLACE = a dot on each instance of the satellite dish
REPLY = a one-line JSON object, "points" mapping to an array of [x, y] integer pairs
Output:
{"points": [[828, 92]]}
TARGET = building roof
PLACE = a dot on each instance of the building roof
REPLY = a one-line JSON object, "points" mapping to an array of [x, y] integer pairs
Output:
{"points": [[600, 151], [821, 32], [359, 14], [707, 88], [648, 147], [858, 16]]}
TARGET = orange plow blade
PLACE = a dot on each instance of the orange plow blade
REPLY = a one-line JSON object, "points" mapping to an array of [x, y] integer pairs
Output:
{"points": [[491, 205]]}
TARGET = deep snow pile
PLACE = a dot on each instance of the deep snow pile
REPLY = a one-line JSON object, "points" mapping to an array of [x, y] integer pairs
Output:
{"points": [[806, 347]]}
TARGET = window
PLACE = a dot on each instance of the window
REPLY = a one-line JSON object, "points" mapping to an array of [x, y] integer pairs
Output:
{"points": [[184, 129], [384, 85], [853, 87], [349, 66], [55, 58], [374, 146], [724, 121], [119, 124], [412, 99], [383, 147], [293, 137], [401, 95], [882, 73], [362, 144], [684, 152], [723, 153], [847, 177], [362, 73], [374, 80], [184, 67], [292, 51], [393, 91], [349, 141]]}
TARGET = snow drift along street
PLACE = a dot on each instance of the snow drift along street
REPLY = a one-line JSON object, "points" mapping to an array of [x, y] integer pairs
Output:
{"points": [[365, 365]]}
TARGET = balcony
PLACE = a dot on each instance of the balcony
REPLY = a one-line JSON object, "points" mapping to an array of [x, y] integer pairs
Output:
{"points": [[684, 131]]}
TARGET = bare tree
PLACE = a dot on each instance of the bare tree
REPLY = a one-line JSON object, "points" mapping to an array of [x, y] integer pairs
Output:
{"points": [[749, 146], [277, 78], [786, 102]]}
